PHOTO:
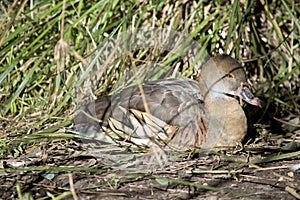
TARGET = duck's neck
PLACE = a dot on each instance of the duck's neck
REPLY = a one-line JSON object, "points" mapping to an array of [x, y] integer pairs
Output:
{"points": [[226, 121]]}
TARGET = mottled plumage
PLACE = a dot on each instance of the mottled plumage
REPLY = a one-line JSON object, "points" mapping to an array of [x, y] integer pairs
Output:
{"points": [[184, 113]]}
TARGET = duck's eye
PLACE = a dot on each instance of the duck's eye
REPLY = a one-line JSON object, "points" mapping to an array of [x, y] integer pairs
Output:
{"points": [[230, 75]]}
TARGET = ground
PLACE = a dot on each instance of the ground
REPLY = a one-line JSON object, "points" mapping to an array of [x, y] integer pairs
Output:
{"points": [[65, 168]]}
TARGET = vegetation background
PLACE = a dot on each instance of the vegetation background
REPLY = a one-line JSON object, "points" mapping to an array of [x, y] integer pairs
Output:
{"points": [[43, 44]]}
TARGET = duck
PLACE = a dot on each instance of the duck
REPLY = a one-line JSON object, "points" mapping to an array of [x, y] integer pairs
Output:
{"points": [[180, 113]]}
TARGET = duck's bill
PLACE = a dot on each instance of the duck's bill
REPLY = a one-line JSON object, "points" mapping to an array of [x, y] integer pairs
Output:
{"points": [[245, 93]]}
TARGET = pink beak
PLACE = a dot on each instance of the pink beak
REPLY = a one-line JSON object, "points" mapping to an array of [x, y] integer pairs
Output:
{"points": [[245, 93]]}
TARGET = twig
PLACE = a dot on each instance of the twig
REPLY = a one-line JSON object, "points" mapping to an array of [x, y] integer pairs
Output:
{"points": [[72, 189]]}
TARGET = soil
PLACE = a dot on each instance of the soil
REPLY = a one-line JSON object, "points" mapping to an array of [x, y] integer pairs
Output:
{"points": [[66, 168]]}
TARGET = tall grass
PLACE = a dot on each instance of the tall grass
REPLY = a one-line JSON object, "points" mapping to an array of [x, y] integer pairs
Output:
{"points": [[44, 44]]}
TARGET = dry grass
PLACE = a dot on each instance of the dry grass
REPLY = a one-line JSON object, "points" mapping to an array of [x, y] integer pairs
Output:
{"points": [[44, 45]]}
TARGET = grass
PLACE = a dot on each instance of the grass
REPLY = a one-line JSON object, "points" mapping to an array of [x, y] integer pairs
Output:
{"points": [[44, 45]]}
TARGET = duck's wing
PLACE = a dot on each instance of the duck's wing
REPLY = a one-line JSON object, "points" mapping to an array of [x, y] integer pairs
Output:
{"points": [[175, 105], [174, 101]]}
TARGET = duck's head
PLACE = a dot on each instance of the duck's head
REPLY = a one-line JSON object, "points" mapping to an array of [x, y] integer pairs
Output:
{"points": [[222, 76]]}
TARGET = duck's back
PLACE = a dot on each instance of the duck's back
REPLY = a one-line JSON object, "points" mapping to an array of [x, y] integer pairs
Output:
{"points": [[174, 101], [176, 104]]}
